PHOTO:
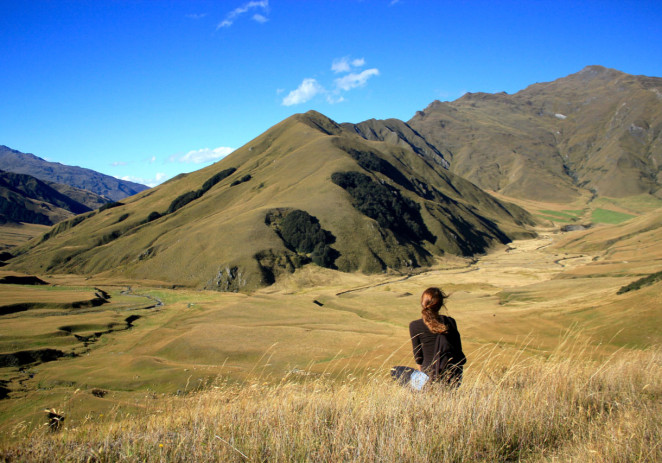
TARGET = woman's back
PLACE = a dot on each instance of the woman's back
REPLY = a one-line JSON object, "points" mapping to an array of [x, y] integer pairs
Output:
{"points": [[429, 347]]}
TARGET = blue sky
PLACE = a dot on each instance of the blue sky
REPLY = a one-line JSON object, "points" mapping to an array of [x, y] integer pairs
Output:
{"points": [[144, 90]]}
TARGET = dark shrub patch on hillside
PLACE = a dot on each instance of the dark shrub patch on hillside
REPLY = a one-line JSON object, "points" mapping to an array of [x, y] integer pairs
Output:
{"points": [[217, 178], [302, 233], [153, 216], [324, 255], [108, 237], [110, 205], [184, 199], [122, 218], [243, 179], [373, 163], [384, 204], [641, 282]]}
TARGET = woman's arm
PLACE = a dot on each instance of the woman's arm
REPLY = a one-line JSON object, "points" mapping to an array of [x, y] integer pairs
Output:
{"points": [[418, 351]]}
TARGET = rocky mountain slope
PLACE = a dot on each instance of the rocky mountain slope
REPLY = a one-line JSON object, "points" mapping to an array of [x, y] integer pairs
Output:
{"points": [[596, 132], [307, 191], [78, 177]]}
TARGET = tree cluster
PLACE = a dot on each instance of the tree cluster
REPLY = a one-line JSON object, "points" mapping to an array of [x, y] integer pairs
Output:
{"points": [[384, 204], [303, 233], [183, 199]]}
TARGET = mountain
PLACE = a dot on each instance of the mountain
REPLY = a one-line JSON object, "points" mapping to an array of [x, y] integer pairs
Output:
{"points": [[306, 191], [87, 198], [596, 132], [78, 177], [24, 198], [399, 133]]}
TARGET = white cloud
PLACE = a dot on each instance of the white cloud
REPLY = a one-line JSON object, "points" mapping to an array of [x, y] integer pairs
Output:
{"points": [[150, 182], [202, 155], [234, 14], [196, 15], [358, 62], [118, 163], [260, 18], [309, 87], [354, 80], [305, 92], [340, 65], [333, 99], [345, 65]]}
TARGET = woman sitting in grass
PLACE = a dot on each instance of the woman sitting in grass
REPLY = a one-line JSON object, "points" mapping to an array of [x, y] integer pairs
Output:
{"points": [[436, 343]]}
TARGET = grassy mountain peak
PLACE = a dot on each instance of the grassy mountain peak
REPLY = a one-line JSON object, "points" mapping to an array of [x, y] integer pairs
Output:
{"points": [[367, 205], [595, 132]]}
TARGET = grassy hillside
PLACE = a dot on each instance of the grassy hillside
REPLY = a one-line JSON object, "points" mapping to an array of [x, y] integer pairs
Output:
{"points": [[594, 131], [564, 408], [24, 198], [517, 301], [13, 235], [209, 229]]}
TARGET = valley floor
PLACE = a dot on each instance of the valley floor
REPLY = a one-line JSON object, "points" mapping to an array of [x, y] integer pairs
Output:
{"points": [[144, 341]]}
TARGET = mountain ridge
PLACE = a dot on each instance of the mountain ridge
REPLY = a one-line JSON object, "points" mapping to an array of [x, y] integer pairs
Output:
{"points": [[24, 198], [223, 227], [12, 160], [595, 132]]}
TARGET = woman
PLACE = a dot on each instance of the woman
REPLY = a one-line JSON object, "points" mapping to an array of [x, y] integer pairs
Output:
{"points": [[436, 341]]}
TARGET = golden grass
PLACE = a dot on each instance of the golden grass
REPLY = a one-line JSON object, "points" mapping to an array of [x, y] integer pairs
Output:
{"points": [[561, 407], [336, 355], [17, 234]]}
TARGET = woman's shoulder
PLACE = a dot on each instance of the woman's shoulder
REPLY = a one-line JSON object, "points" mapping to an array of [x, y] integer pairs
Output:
{"points": [[447, 320], [417, 325]]}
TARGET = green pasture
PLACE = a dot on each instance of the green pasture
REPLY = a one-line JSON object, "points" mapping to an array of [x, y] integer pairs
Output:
{"points": [[639, 204], [607, 216]]}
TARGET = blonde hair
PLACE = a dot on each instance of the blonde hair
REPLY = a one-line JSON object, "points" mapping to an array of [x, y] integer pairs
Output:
{"points": [[432, 300]]}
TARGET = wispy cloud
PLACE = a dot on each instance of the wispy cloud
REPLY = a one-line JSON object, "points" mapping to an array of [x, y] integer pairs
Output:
{"points": [[309, 87], [196, 15], [354, 80], [306, 91], [359, 62], [340, 65], [150, 182], [202, 155], [344, 64], [253, 5], [118, 163]]}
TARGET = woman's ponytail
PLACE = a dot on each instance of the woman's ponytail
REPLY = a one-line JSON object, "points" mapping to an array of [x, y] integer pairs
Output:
{"points": [[432, 301]]}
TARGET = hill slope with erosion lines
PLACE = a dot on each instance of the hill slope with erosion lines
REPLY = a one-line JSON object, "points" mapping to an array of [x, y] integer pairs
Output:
{"points": [[218, 227]]}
